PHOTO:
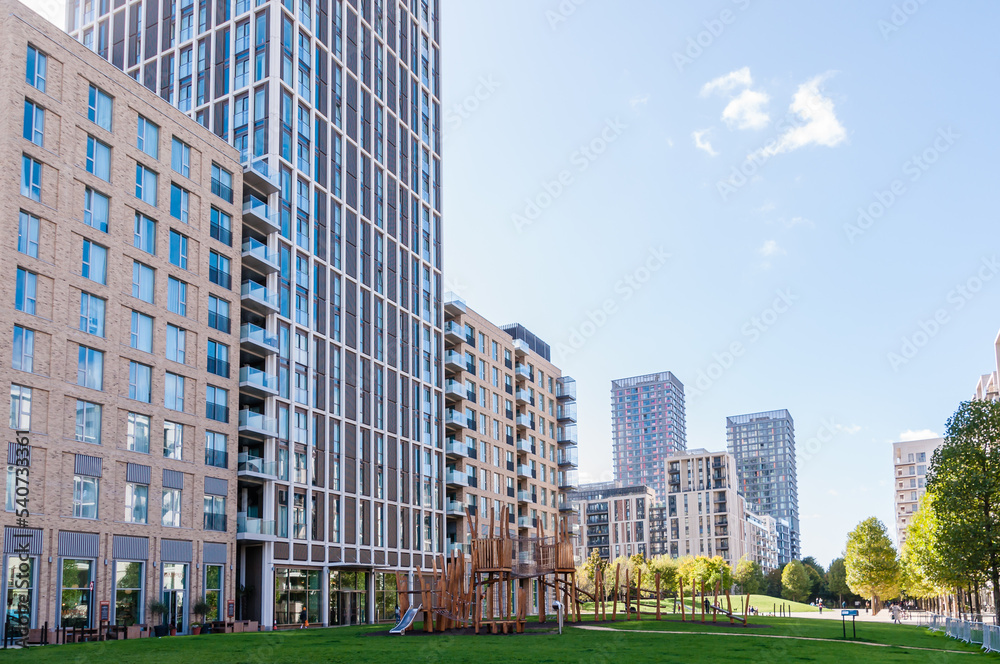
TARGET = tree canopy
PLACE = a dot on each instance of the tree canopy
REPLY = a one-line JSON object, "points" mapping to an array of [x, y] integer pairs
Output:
{"points": [[795, 582], [749, 575], [871, 562]]}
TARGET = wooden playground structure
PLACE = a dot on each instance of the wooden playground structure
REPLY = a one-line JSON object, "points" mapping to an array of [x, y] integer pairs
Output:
{"points": [[493, 590]]}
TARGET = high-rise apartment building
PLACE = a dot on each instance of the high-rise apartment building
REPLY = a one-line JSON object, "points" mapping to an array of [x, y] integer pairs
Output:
{"points": [[910, 461], [121, 481], [648, 425], [510, 418], [334, 108], [763, 445], [614, 520]]}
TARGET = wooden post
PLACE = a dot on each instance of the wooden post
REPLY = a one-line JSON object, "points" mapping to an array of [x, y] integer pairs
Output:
{"points": [[715, 603], [628, 598], [680, 585], [729, 607], [638, 595], [702, 602], [694, 607], [597, 585], [746, 609], [604, 599], [657, 595], [614, 606]]}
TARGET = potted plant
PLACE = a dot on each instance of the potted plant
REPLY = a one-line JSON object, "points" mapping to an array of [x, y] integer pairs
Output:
{"points": [[200, 609], [157, 608]]}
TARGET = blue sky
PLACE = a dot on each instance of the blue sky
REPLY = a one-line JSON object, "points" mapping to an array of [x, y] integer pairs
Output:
{"points": [[579, 203], [525, 87]]}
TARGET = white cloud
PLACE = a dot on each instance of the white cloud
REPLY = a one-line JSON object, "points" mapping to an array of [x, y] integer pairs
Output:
{"points": [[771, 248], [638, 100], [922, 434], [850, 429], [746, 111], [820, 125], [767, 207], [701, 143], [734, 79], [798, 221]]}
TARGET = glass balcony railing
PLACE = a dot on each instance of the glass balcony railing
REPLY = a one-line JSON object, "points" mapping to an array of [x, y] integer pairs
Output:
{"points": [[258, 422], [253, 291], [257, 378], [253, 526], [258, 335], [260, 251], [252, 464]]}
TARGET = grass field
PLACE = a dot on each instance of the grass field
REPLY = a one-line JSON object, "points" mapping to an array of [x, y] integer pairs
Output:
{"points": [[763, 603], [635, 641]]}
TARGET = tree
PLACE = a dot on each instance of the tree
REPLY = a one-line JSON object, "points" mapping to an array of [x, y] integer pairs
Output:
{"points": [[964, 478], [749, 576], [925, 573], [594, 563], [772, 583], [667, 569], [871, 562], [795, 582], [836, 579], [817, 575]]}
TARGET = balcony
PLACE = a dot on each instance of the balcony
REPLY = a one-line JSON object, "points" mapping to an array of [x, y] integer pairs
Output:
{"points": [[522, 372], [568, 479], [258, 257], [565, 388], [566, 412], [256, 467], [524, 497], [454, 508], [454, 418], [258, 383], [566, 507], [257, 425], [455, 332], [524, 470], [523, 420], [456, 449], [453, 304], [255, 339], [566, 435], [258, 298], [250, 528], [521, 348], [258, 174], [525, 522], [257, 215], [523, 396], [568, 456], [524, 446], [454, 361], [454, 389], [455, 478]]}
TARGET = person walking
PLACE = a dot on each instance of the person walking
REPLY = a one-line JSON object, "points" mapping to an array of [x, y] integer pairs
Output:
{"points": [[821, 606], [895, 614], [303, 618]]}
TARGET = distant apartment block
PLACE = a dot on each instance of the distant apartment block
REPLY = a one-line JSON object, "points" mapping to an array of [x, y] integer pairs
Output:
{"points": [[763, 445], [762, 540], [910, 461], [614, 519], [648, 425]]}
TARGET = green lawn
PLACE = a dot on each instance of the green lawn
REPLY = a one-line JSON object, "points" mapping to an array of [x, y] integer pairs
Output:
{"points": [[635, 641], [764, 603]]}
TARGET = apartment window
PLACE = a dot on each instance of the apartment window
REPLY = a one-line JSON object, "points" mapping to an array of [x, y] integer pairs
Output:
{"points": [[145, 184], [26, 291], [148, 139], [141, 337], [173, 440], [178, 250], [24, 349], [27, 234], [95, 210], [85, 494], [217, 403], [299, 516], [31, 178], [175, 343], [140, 382], [92, 314], [216, 450], [179, 202], [215, 513], [222, 183], [137, 433], [99, 108], [142, 282], [88, 422], [36, 69], [145, 234], [20, 407], [173, 391], [98, 158], [218, 314], [95, 262], [218, 358], [136, 499], [219, 270], [180, 157], [221, 227], [177, 296], [90, 368], [171, 514], [34, 122]]}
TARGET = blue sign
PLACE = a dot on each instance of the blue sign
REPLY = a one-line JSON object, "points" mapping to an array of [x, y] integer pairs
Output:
{"points": [[849, 612]]}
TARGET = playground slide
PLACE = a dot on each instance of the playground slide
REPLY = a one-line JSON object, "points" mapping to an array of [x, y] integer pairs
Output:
{"points": [[407, 620]]}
